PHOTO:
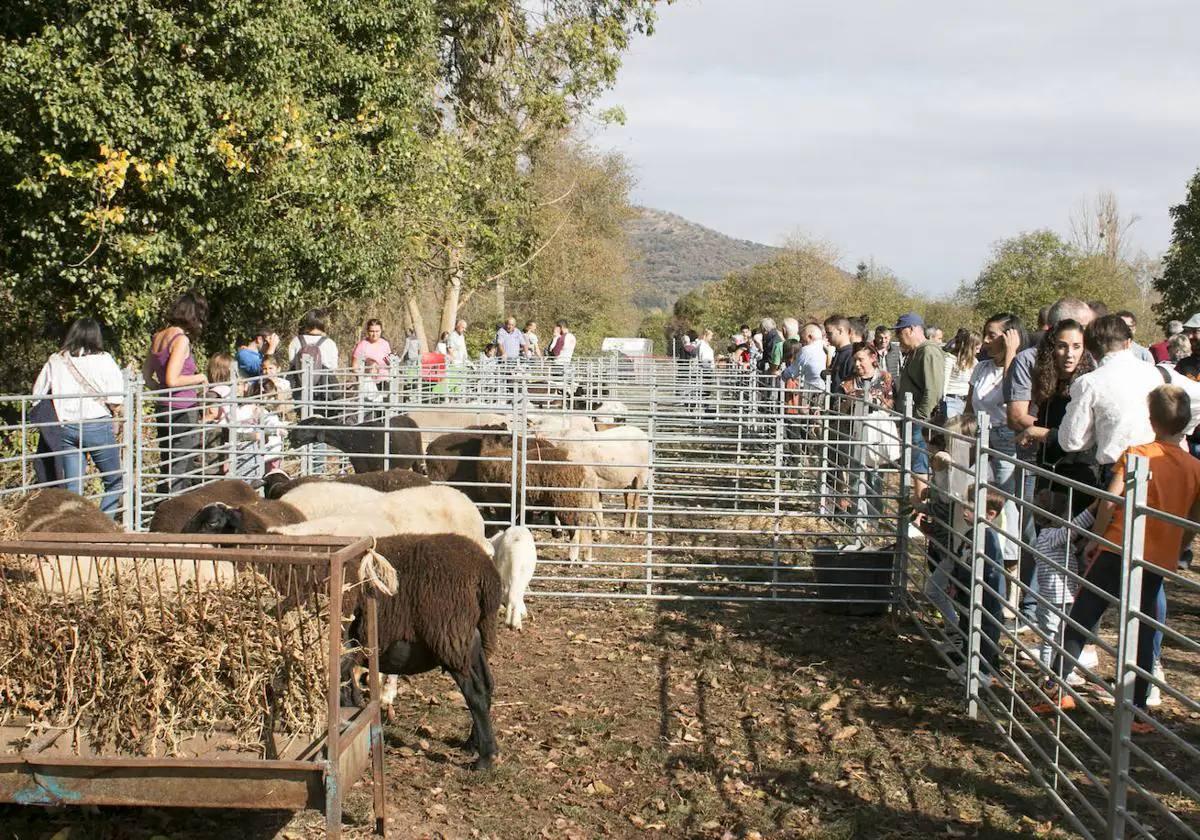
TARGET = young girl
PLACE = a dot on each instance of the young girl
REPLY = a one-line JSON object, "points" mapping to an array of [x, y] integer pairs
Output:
{"points": [[1057, 547]]}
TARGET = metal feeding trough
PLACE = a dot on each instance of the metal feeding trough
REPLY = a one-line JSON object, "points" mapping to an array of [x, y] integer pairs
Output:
{"points": [[61, 766], [853, 579]]}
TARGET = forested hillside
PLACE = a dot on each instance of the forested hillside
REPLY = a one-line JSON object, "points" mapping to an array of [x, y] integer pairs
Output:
{"points": [[673, 256]]}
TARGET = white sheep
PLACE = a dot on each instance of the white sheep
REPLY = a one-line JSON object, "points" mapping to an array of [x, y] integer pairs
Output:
{"points": [[620, 458], [553, 424], [346, 510], [610, 413], [515, 558]]}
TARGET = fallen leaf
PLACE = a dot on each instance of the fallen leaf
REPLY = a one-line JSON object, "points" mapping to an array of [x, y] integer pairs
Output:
{"points": [[830, 704], [845, 732]]}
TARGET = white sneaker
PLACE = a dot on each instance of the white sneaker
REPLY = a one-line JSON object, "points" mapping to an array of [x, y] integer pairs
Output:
{"points": [[1088, 658], [1154, 697], [1076, 679]]}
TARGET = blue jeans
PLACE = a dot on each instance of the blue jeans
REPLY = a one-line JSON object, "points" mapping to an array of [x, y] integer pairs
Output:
{"points": [[954, 405], [920, 452], [95, 438], [1003, 439]]}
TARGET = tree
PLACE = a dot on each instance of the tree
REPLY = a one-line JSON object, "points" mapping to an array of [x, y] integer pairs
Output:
{"points": [[1179, 281], [1024, 273]]}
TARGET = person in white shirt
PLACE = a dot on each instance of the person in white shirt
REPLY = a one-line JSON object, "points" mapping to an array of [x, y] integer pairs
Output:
{"points": [[961, 357], [456, 343], [86, 390], [812, 357], [566, 347], [1108, 406], [533, 346], [704, 351], [986, 395]]}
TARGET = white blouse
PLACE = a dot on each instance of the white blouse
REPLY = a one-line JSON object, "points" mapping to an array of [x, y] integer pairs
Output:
{"points": [[97, 370]]}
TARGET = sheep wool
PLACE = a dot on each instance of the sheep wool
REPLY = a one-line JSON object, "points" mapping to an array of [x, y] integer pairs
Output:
{"points": [[173, 514], [515, 558]]}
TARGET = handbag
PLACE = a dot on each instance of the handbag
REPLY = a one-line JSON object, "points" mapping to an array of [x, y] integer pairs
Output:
{"points": [[88, 388]]}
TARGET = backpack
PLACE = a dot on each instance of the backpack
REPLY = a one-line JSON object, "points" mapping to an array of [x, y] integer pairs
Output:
{"points": [[322, 376]]}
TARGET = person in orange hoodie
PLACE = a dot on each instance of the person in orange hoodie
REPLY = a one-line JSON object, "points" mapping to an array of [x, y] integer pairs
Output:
{"points": [[1174, 489]]}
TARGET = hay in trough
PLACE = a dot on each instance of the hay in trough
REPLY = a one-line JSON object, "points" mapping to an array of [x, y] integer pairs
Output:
{"points": [[139, 670]]}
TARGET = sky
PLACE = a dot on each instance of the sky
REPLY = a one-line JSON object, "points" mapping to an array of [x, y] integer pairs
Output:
{"points": [[914, 133]]}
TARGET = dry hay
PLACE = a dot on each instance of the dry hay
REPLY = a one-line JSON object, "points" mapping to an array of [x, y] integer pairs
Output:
{"points": [[141, 672]]}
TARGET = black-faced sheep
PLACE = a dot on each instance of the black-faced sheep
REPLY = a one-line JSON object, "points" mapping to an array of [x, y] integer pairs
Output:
{"points": [[443, 615], [365, 444], [258, 517], [174, 513], [277, 484], [567, 490], [453, 459]]}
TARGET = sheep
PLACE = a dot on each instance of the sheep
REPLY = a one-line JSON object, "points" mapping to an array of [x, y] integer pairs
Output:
{"points": [[433, 424], [552, 425], [417, 510], [172, 514], [277, 483], [256, 518], [610, 413], [620, 458], [365, 443], [552, 482], [452, 459], [52, 510], [515, 557], [443, 615]]}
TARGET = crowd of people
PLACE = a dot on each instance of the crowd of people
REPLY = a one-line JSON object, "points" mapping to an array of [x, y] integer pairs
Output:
{"points": [[1065, 402]]}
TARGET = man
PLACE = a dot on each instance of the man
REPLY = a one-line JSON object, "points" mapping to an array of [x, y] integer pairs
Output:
{"points": [[566, 345], [456, 344], [251, 354], [791, 335], [858, 330], [1108, 407], [935, 335], [1043, 322], [1189, 366], [924, 378], [812, 357], [889, 351], [1140, 352], [772, 348], [1159, 350], [841, 366], [511, 341]]}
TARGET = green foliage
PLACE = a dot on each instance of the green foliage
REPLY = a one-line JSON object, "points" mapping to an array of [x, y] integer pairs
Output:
{"points": [[1026, 272], [1179, 283]]}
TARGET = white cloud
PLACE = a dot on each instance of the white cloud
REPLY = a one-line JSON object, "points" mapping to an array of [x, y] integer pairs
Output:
{"points": [[919, 133]]}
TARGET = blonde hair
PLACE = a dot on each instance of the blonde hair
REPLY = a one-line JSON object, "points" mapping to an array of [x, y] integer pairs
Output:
{"points": [[1170, 409], [220, 367]]}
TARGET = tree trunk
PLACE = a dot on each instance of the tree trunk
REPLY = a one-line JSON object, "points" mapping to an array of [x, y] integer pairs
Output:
{"points": [[452, 291], [500, 305], [413, 308]]}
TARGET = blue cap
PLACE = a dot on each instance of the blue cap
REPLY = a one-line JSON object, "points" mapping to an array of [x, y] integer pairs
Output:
{"points": [[909, 319]]}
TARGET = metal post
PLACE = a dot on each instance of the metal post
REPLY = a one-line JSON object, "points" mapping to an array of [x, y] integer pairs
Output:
{"points": [[779, 432], [129, 431], [903, 503], [823, 482], [306, 407], [519, 459], [333, 736], [649, 490], [231, 420], [978, 559], [1137, 479]]}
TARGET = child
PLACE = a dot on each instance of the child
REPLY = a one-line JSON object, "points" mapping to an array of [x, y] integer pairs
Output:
{"points": [[214, 415], [281, 394], [993, 604], [1174, 488], [1057, 547]]}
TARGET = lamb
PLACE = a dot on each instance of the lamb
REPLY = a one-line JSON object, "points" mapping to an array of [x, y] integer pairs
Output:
{"points": [[515, 557], [276, 484], [610, 413], [344, 510], [365, 443], [568, 490], [173, 514], [553, 425], [620, 458], [443, 614]]}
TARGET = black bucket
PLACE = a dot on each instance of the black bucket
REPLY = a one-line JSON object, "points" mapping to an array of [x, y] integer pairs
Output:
{"points": [[867, 576]]}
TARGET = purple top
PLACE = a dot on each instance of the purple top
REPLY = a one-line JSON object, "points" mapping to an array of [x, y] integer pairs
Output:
{"points": [[180, 398]]}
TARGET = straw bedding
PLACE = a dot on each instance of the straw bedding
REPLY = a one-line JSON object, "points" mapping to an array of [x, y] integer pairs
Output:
{"points": [[138, 670]]}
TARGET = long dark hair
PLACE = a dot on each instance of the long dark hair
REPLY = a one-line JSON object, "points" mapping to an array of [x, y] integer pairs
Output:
{"points": [[189, 312], [1045, 376], [1009, 321], [83, 338], [313, 320]]}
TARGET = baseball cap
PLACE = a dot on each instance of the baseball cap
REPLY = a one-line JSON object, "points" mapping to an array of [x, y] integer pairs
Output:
{"points": [[912, 319], [1193, 323]]}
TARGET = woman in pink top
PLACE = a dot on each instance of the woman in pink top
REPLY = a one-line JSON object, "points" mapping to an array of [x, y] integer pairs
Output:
{"points": [[372, 350], [171, 365]]}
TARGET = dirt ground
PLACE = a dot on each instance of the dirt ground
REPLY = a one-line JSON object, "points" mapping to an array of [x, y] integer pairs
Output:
{"points": [[670, 720]]}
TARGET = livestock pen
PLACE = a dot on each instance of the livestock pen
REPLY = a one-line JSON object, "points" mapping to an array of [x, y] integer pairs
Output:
{"points": [[754, 508]]}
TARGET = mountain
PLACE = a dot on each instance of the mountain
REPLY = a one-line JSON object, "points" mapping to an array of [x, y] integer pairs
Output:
{"points": [[673, 256]]}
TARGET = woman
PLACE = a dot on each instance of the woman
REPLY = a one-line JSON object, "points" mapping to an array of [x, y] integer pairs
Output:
{"points": [[171, 369], [443, 344], [961, 358], [86, 419], [704, 351], [870, 381], [372, 351], [1061, 359], [986, 396]]}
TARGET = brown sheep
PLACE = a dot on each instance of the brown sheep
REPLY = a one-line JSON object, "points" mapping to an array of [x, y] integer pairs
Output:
{"points": [[443, 615], [173, 514], [52, 510], [453, 461], [568, 490], [277, 484]]}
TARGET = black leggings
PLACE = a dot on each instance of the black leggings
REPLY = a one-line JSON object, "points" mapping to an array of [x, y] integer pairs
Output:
{"points": [[1089, 608]]}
